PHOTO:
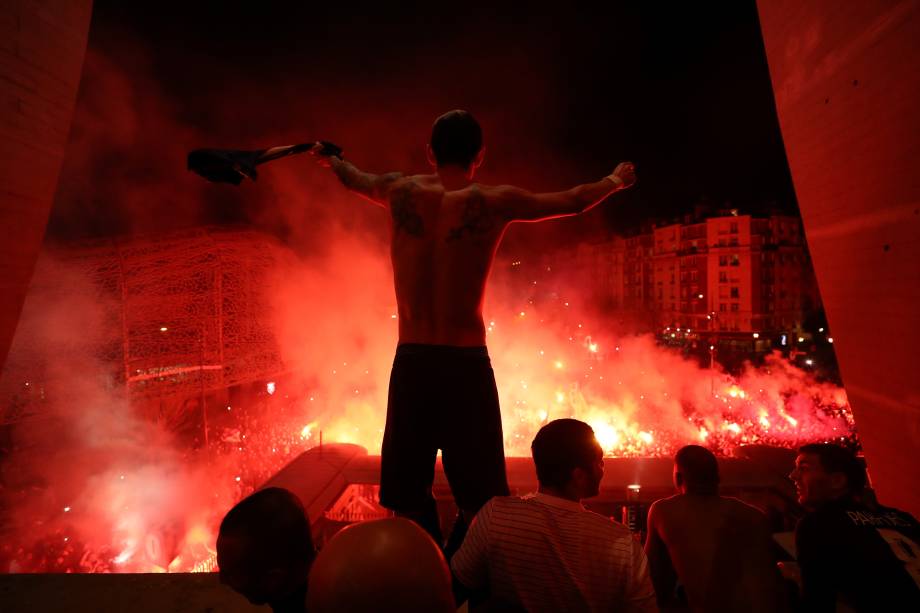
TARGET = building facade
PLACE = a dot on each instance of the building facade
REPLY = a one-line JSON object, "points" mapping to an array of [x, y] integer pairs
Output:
{"points": [[728, 275]]}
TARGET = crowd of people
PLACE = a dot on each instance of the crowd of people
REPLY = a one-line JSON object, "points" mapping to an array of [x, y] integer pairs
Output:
{"points": [[546, 552]]}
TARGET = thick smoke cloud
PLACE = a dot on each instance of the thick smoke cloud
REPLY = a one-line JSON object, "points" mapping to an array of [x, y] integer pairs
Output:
{"points": [[153, 91], [89, 482], [132, 494], [554, 356]]}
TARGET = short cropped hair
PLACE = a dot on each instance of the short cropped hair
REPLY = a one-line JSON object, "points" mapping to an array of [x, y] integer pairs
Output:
{"points": [[560, 447], [456, 139], [273, 526], [837, 459], [698, 468]]}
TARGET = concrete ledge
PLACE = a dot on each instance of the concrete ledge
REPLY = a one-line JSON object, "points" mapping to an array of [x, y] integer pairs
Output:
{"points": [[175, 592]]}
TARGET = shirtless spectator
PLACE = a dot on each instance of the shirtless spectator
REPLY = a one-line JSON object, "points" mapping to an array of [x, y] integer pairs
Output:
{"points": [[709, 552], [864, 556], [445, 229], [545, 551]]}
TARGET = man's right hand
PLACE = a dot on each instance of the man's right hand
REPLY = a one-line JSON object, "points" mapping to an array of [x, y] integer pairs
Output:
{"points": [[317, 152], [624, 175]]}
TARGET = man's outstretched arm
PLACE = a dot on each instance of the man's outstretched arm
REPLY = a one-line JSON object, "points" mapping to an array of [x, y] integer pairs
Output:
{"points": [[521, 205], [367, 185]]}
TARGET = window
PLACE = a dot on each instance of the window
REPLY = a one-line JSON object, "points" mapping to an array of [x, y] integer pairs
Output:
{"points": [[735, 261], [694, 275], [734, 292], [722, 307], [723, 277], [735, 307], [723, 260], [733, 241], [734, 227]]}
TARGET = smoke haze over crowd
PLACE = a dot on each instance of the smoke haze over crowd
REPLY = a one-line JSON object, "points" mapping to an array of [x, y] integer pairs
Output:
{"points": [[562, 98]]}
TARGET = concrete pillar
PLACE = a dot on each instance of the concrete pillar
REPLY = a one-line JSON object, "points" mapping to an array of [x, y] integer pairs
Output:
{"points": [[846, 79], [42, 44]]}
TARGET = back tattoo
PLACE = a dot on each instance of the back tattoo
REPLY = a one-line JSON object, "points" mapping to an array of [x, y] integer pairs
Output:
{"points": [[477, 219]]}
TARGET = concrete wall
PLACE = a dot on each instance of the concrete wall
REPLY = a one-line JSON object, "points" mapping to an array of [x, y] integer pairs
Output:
{"points": [[42, 44], [117, 593], [846, 78]]}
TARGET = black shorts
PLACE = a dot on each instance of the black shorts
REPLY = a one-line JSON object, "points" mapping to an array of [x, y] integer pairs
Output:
{"points": [[442, 397]]}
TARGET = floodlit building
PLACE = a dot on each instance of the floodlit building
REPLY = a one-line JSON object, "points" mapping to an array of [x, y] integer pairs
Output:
{"points": [[730, 275]]}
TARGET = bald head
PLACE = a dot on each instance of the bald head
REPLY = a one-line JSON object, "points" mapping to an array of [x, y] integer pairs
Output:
{"points": [[388, 564]]}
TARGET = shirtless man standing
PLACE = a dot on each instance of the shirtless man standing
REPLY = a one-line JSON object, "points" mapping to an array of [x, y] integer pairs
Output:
{"points": [[716, 548], [445, 230]]}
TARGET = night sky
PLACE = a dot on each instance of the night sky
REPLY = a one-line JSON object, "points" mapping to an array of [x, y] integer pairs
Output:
{"points": [[563, 97]]}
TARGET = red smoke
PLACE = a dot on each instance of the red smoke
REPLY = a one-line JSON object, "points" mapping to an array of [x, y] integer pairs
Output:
{"points": [[102, 487], [90, 484]]}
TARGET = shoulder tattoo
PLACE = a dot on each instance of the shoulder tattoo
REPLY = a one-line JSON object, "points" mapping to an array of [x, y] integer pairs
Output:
{"points": [[405, 215]]}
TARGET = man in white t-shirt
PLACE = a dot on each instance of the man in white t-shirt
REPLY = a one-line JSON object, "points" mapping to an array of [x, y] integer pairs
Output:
{"points": [[545, 551]]}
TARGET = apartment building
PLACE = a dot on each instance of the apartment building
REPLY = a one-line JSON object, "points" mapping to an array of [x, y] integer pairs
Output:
{"points": [[729, 274]]}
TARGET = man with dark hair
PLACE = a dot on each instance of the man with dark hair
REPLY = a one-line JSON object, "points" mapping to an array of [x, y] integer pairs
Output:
{"points": [[867, 558], [560, 448], [456, 138], [706, 551], [545, 551], [445, 231], [265, 549]]}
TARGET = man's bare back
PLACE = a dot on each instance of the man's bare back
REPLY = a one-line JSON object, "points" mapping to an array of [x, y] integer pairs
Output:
{"points": [[718, 548], [443, 244]]}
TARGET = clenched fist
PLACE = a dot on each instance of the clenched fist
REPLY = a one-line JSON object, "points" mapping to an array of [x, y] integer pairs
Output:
{"points": [[317, 152], [624, 175]]}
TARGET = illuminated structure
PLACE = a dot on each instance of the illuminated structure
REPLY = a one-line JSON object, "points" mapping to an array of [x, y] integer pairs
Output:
{"points": [[188, 316]]}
